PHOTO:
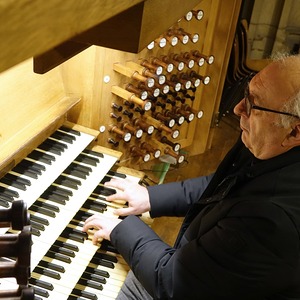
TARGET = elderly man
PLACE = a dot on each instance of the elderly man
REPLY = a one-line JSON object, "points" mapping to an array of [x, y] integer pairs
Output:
{"points": [[240, 237]]}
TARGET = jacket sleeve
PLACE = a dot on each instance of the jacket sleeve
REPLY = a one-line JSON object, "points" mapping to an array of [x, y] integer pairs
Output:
{"points": [[243, 257], [175, 198]]}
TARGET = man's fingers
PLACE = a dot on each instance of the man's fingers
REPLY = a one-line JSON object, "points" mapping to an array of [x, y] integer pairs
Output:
{"points": [[98, 236], [117, 196], [124, 211], [116, 183]]}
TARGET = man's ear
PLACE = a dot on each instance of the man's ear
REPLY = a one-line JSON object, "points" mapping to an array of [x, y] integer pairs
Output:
{"points": [[293, 139]]}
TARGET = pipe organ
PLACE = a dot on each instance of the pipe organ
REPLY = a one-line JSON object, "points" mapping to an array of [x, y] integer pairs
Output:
{"points": [[169, 91], [126, 88]]}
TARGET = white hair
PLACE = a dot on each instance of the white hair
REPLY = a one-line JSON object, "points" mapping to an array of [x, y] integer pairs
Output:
{"points": [[293, 104]]}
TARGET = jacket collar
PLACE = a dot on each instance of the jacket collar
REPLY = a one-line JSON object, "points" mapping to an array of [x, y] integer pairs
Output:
{"points": [[246, 167]]}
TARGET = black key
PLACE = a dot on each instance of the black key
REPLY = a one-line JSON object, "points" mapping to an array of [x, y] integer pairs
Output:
{"points": [[107, 246], [59, 256], [50, 148], [106, 256], [41, 292], [54, 198], [82, 158], [74, 170], [63, 191], [62, 250], [85, 169], [54, 190], [105, 179], [47, 206], [24, 171], [81, 216], [74, 235], [98, 272], [94, 153], [47, 272], [27, 165], [5, 197], [104, 263], [4, 203], [34, 165], [39, 220], [41, 283], [67, 245], [59, 191], [68, 138], [68, 182], [78, 232], [95, 197], [72, 297], [42, 211], [42, 157], [101, 203], [103, 190], [35, 231], [66, 129], [52, 266], [89, 204], [75, 222], [16, 185], [12, 180], [37, 226], [18, 179], [56, 144], [8, 192], [94, 277], [116, 174], [91, 284], [94, 206], [104, 260], [85, 294]]}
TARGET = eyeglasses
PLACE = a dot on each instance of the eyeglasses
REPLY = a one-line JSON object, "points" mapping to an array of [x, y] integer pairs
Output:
{"points": [[249, 106]]}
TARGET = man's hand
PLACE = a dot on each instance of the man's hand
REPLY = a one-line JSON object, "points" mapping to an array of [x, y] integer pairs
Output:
{"points": [[103, 226], [135, 194]]}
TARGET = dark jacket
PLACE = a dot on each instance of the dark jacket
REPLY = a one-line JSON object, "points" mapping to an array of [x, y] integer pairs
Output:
{"points": [[240, 237]]}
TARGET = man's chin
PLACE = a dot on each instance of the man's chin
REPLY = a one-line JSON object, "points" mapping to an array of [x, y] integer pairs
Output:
{"points": [[245, 140]]}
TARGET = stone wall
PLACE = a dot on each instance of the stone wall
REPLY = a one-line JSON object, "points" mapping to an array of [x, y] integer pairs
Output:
{"points": [[274, 26]]}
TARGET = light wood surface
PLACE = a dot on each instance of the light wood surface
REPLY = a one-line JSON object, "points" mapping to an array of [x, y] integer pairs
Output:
{"points": [[29, 100], [30, 27], [32, 107]]}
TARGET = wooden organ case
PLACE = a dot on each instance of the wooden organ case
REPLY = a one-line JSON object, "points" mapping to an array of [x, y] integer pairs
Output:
{"points": [[117, 91]]}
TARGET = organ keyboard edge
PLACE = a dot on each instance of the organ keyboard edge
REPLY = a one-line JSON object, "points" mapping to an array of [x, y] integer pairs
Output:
{"points": [[64, 262]]}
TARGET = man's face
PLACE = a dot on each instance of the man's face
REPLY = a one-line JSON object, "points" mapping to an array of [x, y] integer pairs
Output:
{"points": [[261, 132]]}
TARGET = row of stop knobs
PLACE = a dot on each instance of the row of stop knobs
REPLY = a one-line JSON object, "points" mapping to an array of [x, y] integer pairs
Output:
{"points": [[151, 89]]}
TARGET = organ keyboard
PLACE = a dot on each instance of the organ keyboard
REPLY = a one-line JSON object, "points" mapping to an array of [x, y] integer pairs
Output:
{"points": [[62, 182]]}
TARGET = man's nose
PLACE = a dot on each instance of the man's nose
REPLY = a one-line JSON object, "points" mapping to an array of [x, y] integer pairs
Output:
{"points": [[239, 109]]}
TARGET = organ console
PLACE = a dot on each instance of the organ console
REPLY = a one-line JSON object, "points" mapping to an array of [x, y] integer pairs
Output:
{"points": [[58, 208], [103, 101]]}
